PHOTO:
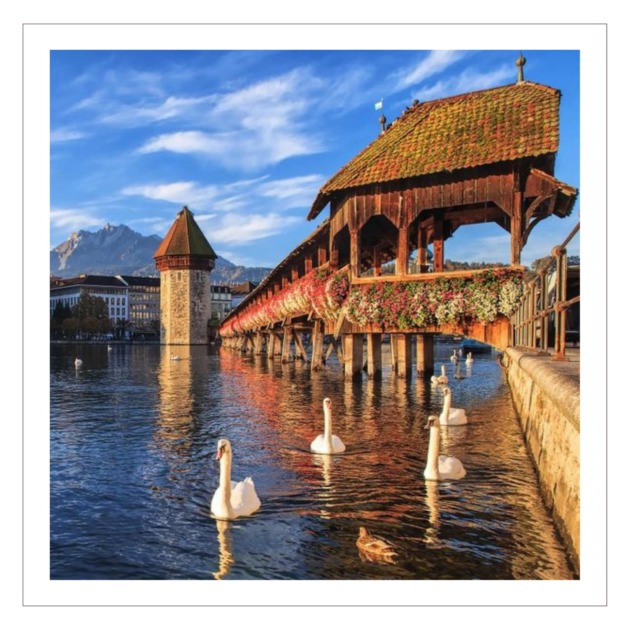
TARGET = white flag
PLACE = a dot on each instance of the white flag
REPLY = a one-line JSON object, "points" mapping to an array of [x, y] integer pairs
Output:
{"points": [[379, 105]]}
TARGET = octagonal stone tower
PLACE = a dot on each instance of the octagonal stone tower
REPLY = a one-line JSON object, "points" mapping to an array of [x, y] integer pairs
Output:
{"points": [[184, 260]]}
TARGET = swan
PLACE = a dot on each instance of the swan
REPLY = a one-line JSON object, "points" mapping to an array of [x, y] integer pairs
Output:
{"points": [[326, 443], [469, 359], [78, 362], [175, 357], [109, 347], [440, 467], [449, 414], [454, 357], [440, 380], [232, 499]]}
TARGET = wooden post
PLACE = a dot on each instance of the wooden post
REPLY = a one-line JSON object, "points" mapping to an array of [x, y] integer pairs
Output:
{"points": [[424, 355], [516, 228], [318, 346], [271, 346], [403, 355], [258, 342], [374, 355], [286, 344], [297, 338], [355, 247], [353, 354], [438, 241], [321, 254], [422, 250], [402, 257]]}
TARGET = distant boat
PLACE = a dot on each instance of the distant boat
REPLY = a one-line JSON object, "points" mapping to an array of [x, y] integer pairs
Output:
{"points": [[474, 346]]}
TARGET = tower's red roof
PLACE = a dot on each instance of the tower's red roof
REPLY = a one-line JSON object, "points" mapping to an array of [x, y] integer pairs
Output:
{"points": [[185, 238]]}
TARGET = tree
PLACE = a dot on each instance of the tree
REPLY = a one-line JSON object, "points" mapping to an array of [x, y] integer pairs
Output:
{"points": [[92, 313]]}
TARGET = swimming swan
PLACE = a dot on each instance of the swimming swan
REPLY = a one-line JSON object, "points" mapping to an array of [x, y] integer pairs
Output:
{"points": [[440, 380], [469, 359], [78, 362], [440, 467], [175, 357], [451, 415], [232, 499], [326, 443], [454, 357]]}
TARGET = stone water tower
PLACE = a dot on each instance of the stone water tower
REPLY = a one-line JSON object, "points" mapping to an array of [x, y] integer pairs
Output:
{"points": [[184, 260]]}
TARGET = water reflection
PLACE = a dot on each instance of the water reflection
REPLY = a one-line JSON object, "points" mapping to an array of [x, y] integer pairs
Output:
{"points": [[133, 439]]}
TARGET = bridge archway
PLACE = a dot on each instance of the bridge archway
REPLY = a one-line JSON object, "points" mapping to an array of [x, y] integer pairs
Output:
{"points": [[378, 245]]}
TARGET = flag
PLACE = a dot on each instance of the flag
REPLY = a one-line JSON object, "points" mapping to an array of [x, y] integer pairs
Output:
{"points": [[379, 105]]}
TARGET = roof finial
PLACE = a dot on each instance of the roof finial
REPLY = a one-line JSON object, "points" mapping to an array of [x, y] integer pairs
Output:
{"points": [[382, 120], [520, 62]]}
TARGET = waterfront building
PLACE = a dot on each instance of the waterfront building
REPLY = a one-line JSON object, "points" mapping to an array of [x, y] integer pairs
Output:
{"points": [[184, 260], [220, 301], [112, 289], [143, 299], [241, 291]]}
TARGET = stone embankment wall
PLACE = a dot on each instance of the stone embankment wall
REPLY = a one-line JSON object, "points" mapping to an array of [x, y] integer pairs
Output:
{"points": [[546, 395]]}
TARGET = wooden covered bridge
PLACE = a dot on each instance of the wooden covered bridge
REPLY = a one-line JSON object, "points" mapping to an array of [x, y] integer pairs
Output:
{"points": [[485, 156]]}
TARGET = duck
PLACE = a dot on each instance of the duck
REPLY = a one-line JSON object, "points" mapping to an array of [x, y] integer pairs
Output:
{"points": [[232, 500], [375, 548], [469, 359], [451, 415], [440, 380], [326, 443], [78, 362], [440, 467]]}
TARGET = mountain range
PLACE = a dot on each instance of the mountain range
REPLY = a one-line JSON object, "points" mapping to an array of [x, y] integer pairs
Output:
{"points": [[119, 250]]}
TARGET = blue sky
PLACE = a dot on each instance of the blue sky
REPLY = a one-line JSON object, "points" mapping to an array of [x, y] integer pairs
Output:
{"points": [[247, 138]]}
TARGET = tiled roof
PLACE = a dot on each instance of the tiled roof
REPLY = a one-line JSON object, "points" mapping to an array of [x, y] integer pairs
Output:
{"points": [[185, 238], [88, 280], [505, 123]]}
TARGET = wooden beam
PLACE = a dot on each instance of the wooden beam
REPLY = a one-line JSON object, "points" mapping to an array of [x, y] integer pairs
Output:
{"points": [[438, 241], [353, 354], [297, 337], [402, 257], [424, 355], [318, 346], [374, 355], [286, 344]]}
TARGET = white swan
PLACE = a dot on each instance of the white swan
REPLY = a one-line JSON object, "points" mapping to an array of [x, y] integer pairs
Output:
{"points": [[232, 499], [175, 357], [440, 467], [451, 415], [109, 347], [454, 357], [326, 443], [469, 359], [440, 380], [78, 362]]}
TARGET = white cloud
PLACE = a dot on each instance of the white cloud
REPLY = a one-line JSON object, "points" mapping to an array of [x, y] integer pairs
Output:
{"points": [[436, 61], [467, 81], [240, 229], [73, 219], [183, 193], [66, 135]]}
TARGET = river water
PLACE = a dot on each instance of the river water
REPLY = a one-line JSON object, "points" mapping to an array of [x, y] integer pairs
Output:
{"points": [[133, 441]]}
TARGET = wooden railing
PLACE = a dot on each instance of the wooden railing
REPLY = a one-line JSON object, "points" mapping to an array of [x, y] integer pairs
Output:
{"points": [[540, 322]]}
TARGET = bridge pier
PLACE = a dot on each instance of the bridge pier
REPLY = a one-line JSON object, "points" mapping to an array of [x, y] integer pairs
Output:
{"points": [[402, 345], [353, 354], [258, 343], [424, 355], [374, 368], [271, 346], [317, 359], [286, 344]]}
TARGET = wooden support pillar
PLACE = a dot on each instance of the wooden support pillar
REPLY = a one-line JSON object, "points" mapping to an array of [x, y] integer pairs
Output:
{"points": [[424, 355], [258, 343], [422, 250], [374, 355], [402, 343], [318, 346], [402, 257], [286, 344], [355, 248], [321, 254], [308, 263], [295, 273], [438, 241], [353, 354], [516, 228], [271, 346], [297, 338]]}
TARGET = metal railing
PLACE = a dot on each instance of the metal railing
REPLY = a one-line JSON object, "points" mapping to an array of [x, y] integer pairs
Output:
{"points": [[540, 321]]}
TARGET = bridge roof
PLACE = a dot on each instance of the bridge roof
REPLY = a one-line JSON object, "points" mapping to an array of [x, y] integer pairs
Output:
{"points": [[468, 130], [185, 238]]}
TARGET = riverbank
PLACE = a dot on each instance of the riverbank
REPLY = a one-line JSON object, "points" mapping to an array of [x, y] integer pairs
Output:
{"points": [[546, 396]]}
